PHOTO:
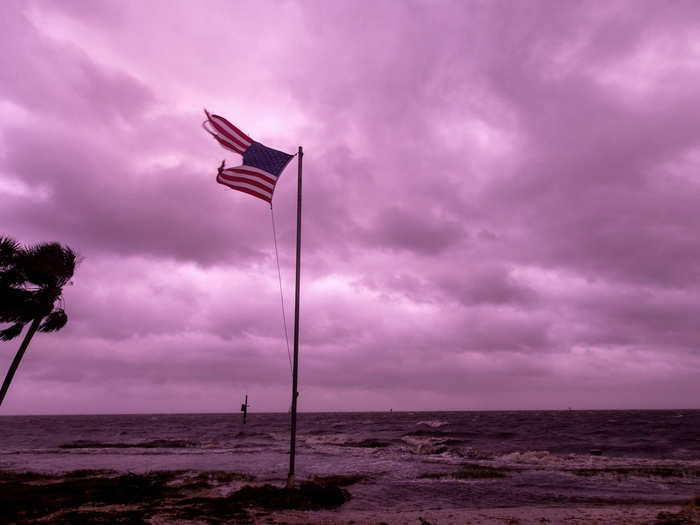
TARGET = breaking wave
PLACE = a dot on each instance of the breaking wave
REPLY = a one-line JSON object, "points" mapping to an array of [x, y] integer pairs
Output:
{"points": [[158, 443], [433, 423]]}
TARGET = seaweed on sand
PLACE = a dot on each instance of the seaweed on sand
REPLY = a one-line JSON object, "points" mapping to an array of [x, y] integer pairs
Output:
{"points": [[23, 498], [209, 510], [234, 508], [93, 497], [307, 496]]}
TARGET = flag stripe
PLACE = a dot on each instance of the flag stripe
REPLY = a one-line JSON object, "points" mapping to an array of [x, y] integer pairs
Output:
{"points": [[247, 185], [251, 179], [229, 145], [233, 129], [246, 188], [222, 132], [255, 172], [224, 127]]}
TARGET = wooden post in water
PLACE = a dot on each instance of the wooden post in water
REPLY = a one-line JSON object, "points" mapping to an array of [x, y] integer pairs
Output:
{"points": [[244, 408], [295, 368]]}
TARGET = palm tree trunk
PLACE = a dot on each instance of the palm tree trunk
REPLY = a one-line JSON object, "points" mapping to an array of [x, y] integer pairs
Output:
{"points": [[18, 357]]}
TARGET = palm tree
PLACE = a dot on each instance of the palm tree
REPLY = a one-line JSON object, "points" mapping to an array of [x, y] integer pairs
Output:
{"points": [[31, 286]]}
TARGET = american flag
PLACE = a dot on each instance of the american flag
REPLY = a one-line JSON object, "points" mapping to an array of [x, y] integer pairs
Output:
{"points": [[261, 165]]}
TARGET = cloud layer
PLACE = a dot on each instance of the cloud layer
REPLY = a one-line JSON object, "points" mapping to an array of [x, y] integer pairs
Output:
{"points": [[500, 203]]}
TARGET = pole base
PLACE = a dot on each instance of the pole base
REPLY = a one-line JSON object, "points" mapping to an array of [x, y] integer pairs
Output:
{"points": [[290, 481]]}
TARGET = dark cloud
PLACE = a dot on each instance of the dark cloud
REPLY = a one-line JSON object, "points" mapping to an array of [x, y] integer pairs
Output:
{"points": [[57, 80], [419, 232], [500, 202]]}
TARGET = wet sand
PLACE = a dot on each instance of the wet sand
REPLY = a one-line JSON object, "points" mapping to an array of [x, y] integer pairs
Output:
{"points": [[536, 515]]}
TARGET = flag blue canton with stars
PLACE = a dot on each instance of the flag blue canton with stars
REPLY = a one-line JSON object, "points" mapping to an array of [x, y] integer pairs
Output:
{"points": [[266, 159]]}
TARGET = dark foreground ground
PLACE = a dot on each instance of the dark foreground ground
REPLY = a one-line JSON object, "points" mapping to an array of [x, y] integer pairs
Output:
{"points": [[160, 497], [163, 496]]}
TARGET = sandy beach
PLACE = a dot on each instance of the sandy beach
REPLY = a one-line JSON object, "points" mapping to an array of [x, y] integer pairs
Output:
{"points": [[535, 515]]}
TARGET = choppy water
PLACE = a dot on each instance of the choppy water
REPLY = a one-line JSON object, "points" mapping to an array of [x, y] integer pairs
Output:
{"points": [[545, 457]]}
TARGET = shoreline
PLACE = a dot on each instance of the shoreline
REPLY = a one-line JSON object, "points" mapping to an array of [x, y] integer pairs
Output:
{"points": [[632, 514], [186, 497]]}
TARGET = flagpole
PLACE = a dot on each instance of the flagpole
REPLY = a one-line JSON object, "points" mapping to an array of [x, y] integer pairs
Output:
{"points": [[295, 370]]}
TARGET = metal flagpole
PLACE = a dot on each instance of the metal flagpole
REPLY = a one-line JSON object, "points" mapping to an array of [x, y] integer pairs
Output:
{"points": [[295, 369]]}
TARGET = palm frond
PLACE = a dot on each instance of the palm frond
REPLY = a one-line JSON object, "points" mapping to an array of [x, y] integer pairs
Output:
{"points": [[11, 332], [54, 321], [48, 264], [10, 275], [8, 248], [31, 283], [70, 261], [16, 305]]}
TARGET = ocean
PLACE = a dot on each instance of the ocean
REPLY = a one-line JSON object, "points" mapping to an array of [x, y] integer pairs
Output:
{"points": [[404, 460]]}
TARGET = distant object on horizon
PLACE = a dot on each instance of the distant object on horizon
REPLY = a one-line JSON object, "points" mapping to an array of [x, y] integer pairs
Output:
{"points": [[244, 408]]}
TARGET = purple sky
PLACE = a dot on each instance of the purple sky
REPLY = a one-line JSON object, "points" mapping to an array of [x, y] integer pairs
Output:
{"points": [[501, 203]]}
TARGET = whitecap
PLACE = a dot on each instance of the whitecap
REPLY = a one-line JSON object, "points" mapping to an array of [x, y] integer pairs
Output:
{"points": [[433, 423]]}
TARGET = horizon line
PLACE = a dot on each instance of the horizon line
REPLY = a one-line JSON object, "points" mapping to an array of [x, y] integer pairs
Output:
{"points": [[389, 411]]}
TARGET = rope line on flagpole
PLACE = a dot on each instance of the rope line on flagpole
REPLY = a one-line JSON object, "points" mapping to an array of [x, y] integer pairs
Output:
{"points": [[279, 276]]}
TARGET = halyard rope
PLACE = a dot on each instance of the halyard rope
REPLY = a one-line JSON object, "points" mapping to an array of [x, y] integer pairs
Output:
{"points": [[279, 275]]}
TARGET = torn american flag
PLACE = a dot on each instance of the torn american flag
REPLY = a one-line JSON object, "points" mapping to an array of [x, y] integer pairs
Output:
{"points": [[261, 165]]}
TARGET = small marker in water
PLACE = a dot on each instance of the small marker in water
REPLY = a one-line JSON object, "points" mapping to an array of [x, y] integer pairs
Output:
{"points": [[244, 408]]}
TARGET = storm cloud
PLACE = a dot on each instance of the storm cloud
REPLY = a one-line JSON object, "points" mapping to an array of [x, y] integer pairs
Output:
{"points": [[500, 206]]}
